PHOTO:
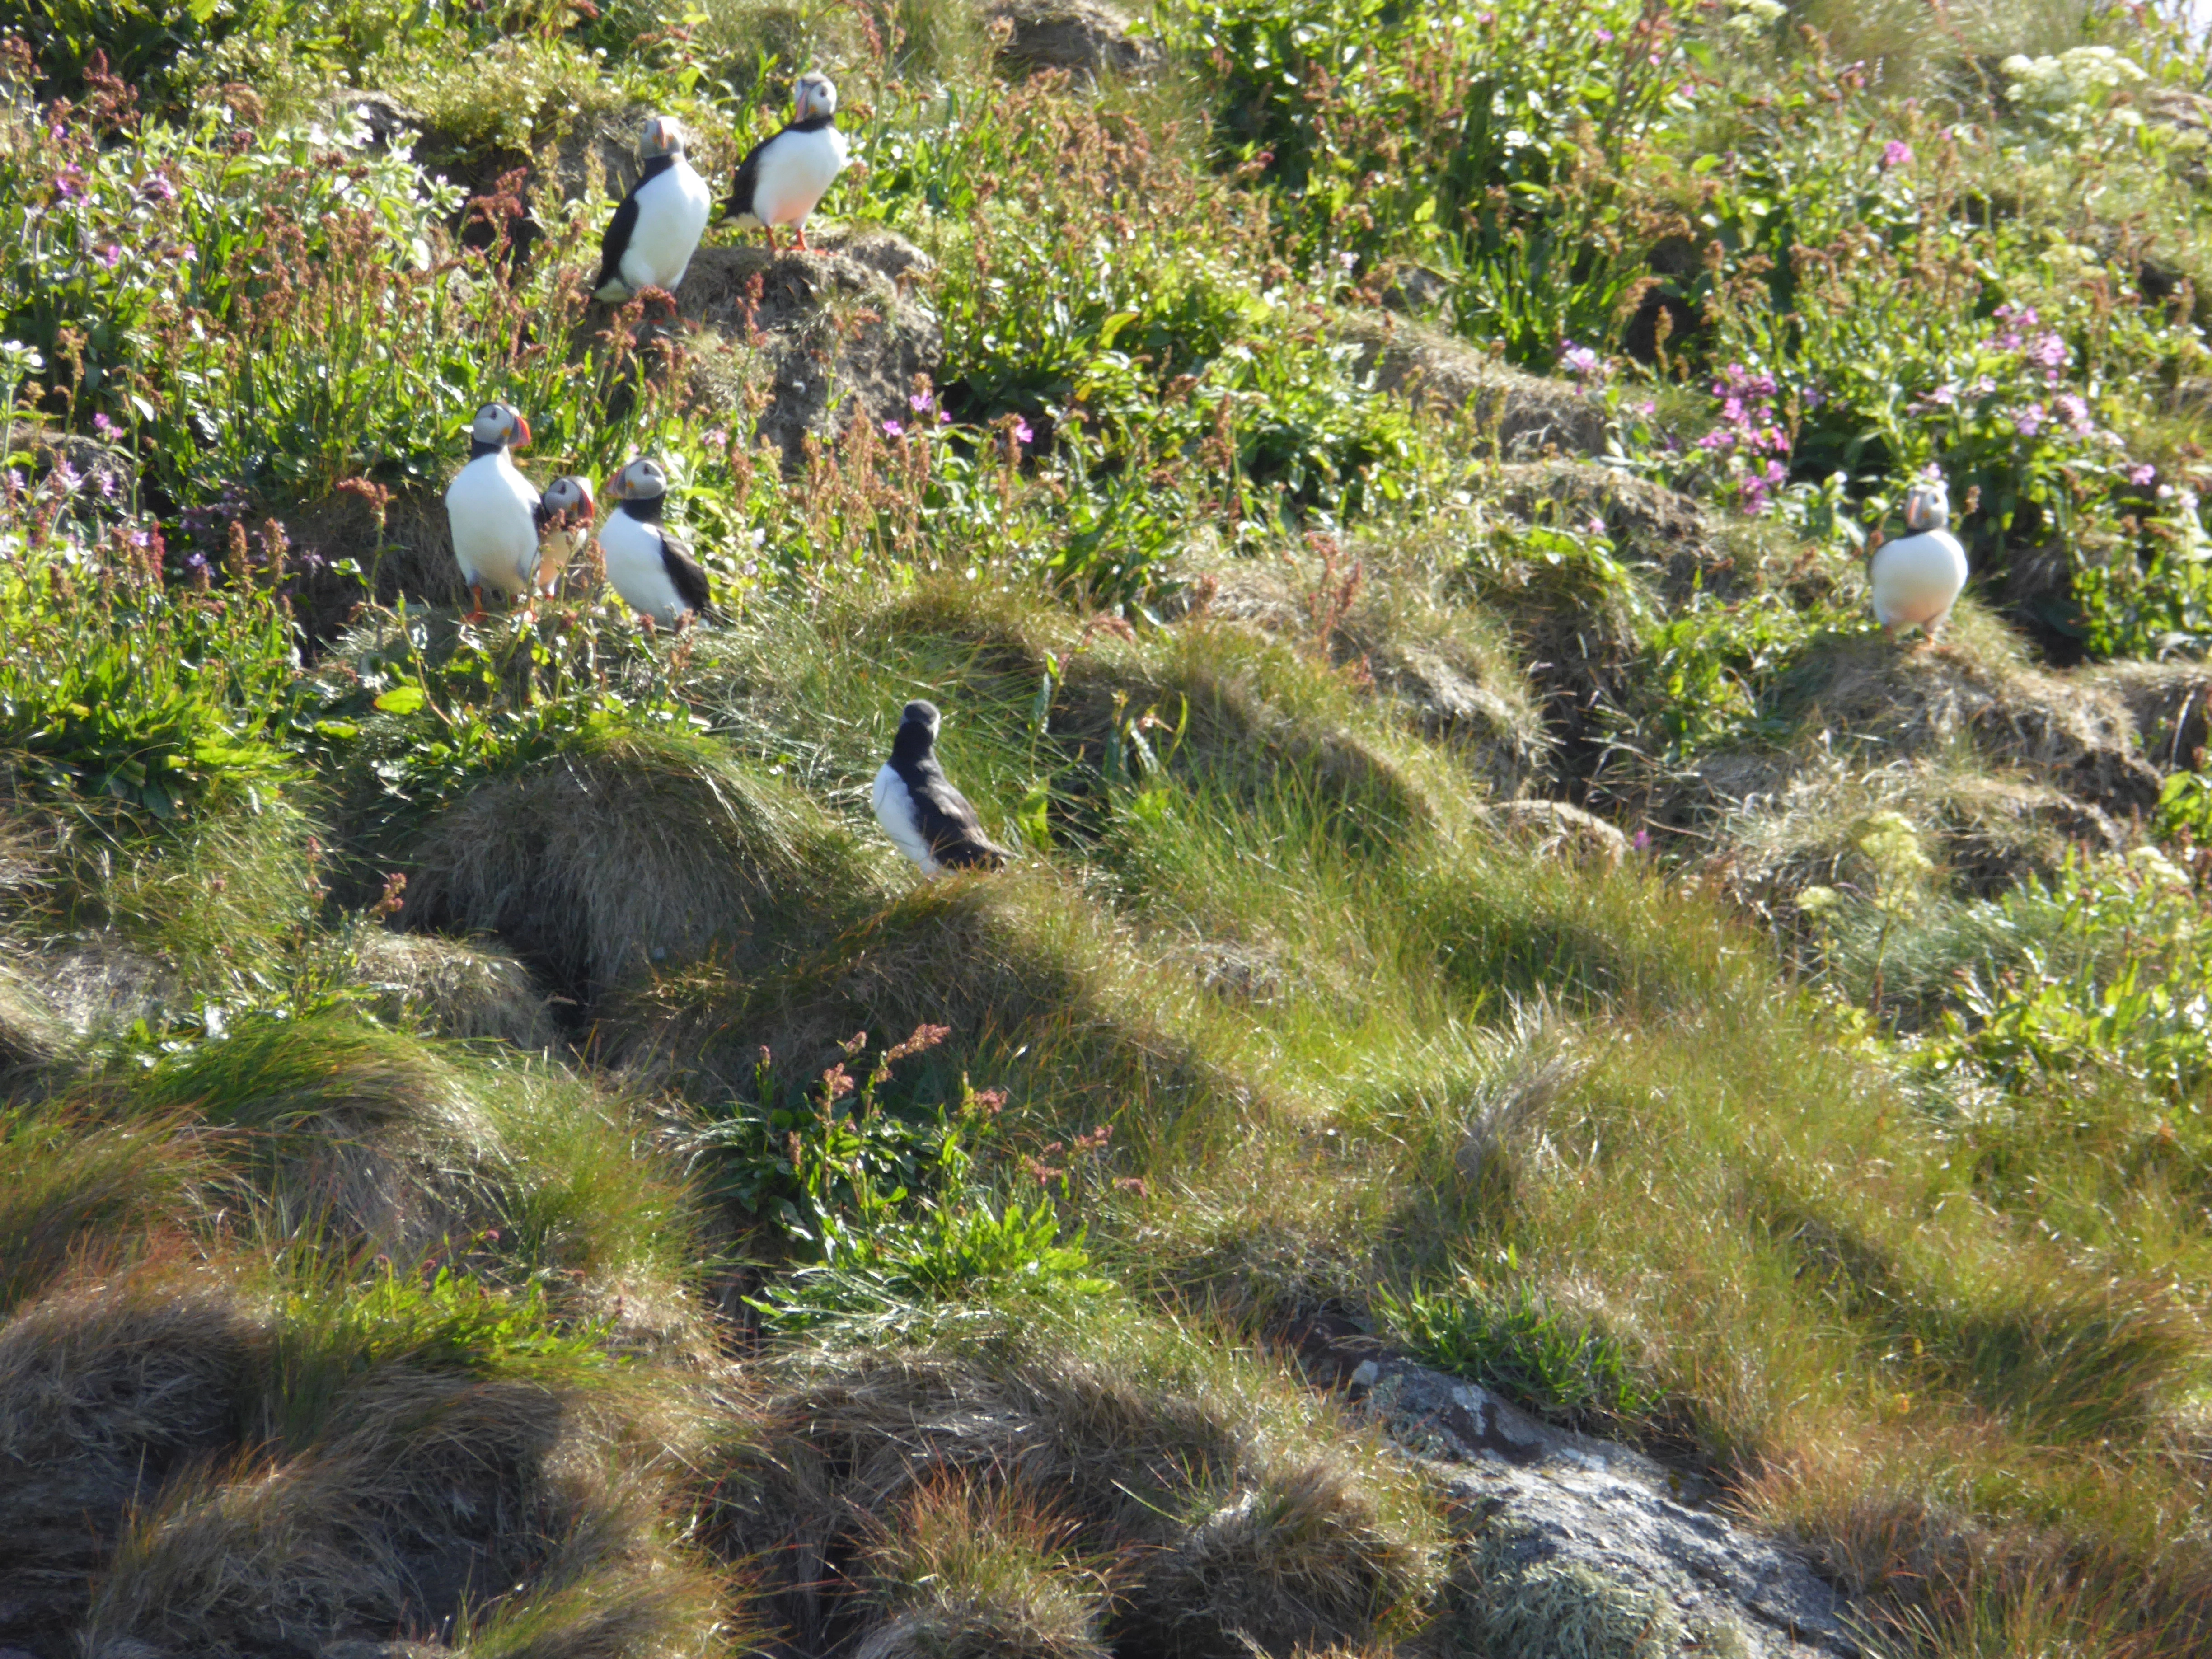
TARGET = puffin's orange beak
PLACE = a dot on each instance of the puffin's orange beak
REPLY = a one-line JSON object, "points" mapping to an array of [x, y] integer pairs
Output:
{"points": [[522, 438], [590, 508], [614, 487]]}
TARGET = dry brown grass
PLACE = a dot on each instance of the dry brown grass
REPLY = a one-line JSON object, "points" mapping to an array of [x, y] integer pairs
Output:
{"points": [[455, 989], [1037, 990], [367, 1135], [107, 1390], [189, 1466], [598, 866], [1386, 621], [1976, 687], [1227, 1510]]}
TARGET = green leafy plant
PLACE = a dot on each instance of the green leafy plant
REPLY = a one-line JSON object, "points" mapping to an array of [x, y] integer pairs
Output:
{"points": [[1521, 1343]]}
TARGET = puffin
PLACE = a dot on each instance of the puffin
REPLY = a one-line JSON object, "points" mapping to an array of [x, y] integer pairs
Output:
{"points": [[1917, 579], [492, 510], [783, 176], [656, 229], [565, 513], [927, 818], [649, 568]]}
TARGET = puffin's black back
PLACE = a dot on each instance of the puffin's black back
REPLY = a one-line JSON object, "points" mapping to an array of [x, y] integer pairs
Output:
{"points": [[942, 814]]}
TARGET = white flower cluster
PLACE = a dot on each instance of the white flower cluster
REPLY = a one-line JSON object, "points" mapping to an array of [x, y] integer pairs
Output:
{"points": [[2081, 75], [1750, 16]]}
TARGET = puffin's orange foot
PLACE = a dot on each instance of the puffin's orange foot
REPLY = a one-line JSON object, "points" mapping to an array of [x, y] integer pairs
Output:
{"points": [[800, 233]]}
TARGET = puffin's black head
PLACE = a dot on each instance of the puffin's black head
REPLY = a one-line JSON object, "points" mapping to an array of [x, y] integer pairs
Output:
{"points": [[498, 425], [661, 136], [917, 733], [813, 94], [569, 500], [642, 482]]}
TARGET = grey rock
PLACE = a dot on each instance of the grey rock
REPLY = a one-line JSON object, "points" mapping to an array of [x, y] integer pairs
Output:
{"points": [[833, 335], [1084, 38], [1545, 1502]]}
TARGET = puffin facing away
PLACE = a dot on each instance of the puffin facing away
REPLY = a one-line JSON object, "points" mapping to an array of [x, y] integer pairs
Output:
{"points": [[647, 566], [565, 514], [927, 818], [656, 229], [782, 177], [492, 510], [1917, 579]]}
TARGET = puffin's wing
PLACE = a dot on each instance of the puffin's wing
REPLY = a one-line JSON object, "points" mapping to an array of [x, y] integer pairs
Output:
{"points": [[615, 241], [683, 572], [748, 178], [949, 824]]}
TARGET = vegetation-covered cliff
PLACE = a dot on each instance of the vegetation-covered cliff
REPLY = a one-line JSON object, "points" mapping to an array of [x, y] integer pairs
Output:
{"points": [[499, 1155]]}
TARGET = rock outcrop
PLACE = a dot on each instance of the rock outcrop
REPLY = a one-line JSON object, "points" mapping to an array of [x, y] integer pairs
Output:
{"points": [[1591, 1530], [1084, 38], [820, 338], [1522, 414]]}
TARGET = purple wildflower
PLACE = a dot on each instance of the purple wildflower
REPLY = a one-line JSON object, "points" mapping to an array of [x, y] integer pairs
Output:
{"points": [[69, 183], [1022, 433], [893, 429], [105, 429], [1642, 841], [2049, 350], [2027, 420], [1581, 361], [919, 403], [155, 188], [2076, 411], [1896, 153], [2145, 474], [112, 255], [1605, 37]]}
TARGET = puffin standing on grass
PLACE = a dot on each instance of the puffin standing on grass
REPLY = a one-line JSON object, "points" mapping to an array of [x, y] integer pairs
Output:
{"points": [[492, 510], [927, 818], [565, 514], [656, 229], [656, 577], [1917, 579], [782, 177]]}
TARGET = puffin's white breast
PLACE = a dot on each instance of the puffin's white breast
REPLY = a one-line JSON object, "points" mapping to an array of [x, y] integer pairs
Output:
{"points": [[672, 215], [1917, 579], [489, 507], [636, 570], [895, 812], [795, 170]]}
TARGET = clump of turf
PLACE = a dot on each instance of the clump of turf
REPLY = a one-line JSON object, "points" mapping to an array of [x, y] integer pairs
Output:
{"points": [[1041, 995], [635, 852], [366, 1134], [455, 989], [1233, 1508], [224, 1462]]}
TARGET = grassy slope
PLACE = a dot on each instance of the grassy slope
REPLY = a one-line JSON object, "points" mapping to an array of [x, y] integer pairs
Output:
{"points": [[587, 1288]]}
